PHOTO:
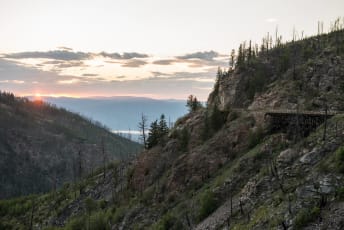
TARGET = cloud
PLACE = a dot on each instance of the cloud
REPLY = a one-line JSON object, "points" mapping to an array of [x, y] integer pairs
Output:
{"points": [[70, 64], [157, 73], [124, 56], [206, 55], [90, 75], [134, 63], [53, 54], [66, 54], [165, 62], [12, 81], [69, 81], [15, 73], [207, 76], [64, 48]]}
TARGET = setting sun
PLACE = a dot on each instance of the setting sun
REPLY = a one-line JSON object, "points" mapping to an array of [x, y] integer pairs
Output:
{"points": [[38, 96]]}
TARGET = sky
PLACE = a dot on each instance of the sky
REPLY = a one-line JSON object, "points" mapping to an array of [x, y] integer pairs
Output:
{"points": [[150, 48]]}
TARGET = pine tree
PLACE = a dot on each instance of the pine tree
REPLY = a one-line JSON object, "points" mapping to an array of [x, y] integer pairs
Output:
{"points": [[153, 136], [163, 128], [232, 59], [240, 57], [249, 53], [193, 104]]}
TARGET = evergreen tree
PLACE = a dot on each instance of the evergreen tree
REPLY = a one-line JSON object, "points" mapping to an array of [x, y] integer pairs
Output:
{"points": [[158, 130], [249, 52], [193, 104], [232, 59], [240, 58], [163, 128], [153, 135], [217, 119]]}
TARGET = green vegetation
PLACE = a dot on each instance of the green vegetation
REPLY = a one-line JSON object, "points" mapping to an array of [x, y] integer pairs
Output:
{"points": [[169, 222], [208, 204], [193, 104], [41, 143], [255, 136], [340, 159], [157, 132], [306, 215], [340, 193]]}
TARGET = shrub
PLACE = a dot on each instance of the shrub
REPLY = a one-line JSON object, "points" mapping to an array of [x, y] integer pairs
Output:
{"points": [[340, 160], [208, 205], [306, 216], [98, 221], [255, 137], [169, 221], [184, 139], [217, 118], [340, 193], [78, 223], [119, 214]]}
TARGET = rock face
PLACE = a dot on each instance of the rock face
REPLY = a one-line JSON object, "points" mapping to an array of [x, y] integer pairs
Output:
{"points": [[229, 92], [315, 82]]}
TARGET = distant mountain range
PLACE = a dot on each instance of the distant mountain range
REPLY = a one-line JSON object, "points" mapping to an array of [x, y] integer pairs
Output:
{"points": [[121, 113]]}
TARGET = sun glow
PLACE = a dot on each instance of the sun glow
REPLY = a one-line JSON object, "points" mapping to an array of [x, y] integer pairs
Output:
{"points": [[38, 96]]}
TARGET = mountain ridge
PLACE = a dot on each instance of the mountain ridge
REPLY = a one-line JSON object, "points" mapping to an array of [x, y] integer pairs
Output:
{"points": [[39, 141]]}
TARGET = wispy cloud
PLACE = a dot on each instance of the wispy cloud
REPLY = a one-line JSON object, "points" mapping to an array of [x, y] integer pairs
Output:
{"points": [[89, 75], [164, 62], [206, 55], [68, 82], [134, 63], [12, 81], [67, 54], [124, 56], [53, 54], [65, 72]]}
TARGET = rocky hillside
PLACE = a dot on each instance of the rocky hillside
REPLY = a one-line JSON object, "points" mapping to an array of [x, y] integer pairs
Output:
{"points": [[42, 147], [223, 166]]}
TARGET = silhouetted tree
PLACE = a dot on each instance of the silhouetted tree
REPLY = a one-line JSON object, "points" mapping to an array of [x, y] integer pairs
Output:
{"points": [[163, 128], [232, 59], [193, 104], [143, 127], [103, 156], [153, 135], [158, 130]]}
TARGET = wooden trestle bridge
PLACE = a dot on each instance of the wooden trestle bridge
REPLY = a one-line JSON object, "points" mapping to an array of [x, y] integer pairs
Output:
{"points": [[294, 121]]}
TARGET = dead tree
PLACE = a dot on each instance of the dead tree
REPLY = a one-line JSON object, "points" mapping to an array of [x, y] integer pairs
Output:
{"points": [[143, 127], [80, 170], [104, 157], [32, 212], [325, 124]]}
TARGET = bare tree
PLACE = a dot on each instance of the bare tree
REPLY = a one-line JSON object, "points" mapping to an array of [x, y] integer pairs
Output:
{"points": [[32, 212], [103, 156], [143, 127], [80, 170]]}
